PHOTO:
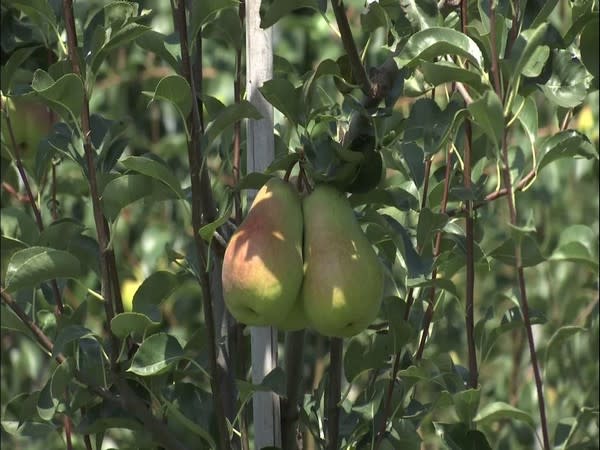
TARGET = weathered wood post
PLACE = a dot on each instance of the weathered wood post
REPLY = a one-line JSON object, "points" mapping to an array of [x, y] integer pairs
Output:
{"points": [[260, 153]]}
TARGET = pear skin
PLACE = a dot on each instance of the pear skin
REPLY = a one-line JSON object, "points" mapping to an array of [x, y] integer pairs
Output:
{"points": [[343, 280], [295, 319], [262, 267]]}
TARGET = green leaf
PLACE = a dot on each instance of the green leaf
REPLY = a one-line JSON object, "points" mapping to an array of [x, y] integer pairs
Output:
{"points": [[589, 47], [544, 12], [130, 322], [559, 336], [274, 381], [466, 404], [17, 224], [433, 42], [152, 292], [202, 13], [156, 355], [373, 18], [394, 196], [565, 144], [487, 113], [253, 180], [575, 252], [91, 362], [124, 35], [280, 8], [325, 67], [65, 94], [176, 90], [208, 231], [422, 14], [29, 267], [54, 390], [69, 334], [500, 410], [127, 189], [226, 28], [13, 63], [227, 117], [40, 12], [458, 436], [568, 85], [525, 46], [530, 252], [281, 93], [154, 169], [442, 72], [429, 223], [157, 43]]}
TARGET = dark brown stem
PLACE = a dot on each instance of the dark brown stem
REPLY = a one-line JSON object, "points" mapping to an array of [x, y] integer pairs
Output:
{"points": [[518, 257], [469, 219], [470, 287], [493, 42], [67, 426], [358, 70], [54, 209], [202, 208], [36, 212], [334, 389], [427, 319], [294, 352], [515, 27], [237, 126], [523, 295], [88, 442], [109, 287]]}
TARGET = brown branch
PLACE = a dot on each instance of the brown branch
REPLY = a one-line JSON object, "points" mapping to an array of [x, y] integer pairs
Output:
{"points": [[436, 252], [109, 287], [294, 350], [358, 70], [14, 193], [36, 212], [518, 257], [203, 208], [237, 126], [334, 388]]}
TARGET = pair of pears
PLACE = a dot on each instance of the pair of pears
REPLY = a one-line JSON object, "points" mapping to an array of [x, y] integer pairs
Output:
{"points": [[297, 262]]}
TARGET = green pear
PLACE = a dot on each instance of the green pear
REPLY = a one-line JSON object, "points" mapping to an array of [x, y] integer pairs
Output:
{"points": [[262, 267], [295, 319], [343, 279]]}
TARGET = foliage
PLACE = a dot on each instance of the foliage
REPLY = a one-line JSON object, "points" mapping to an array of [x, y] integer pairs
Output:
{"points": [[422, 153]]}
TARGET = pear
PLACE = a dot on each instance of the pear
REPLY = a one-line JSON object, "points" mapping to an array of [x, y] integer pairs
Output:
{"points": [[294, 320], [262, 267], [343, 279]]}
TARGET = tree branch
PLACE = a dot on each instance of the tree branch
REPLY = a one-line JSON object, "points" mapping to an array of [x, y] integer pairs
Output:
{"points": [[334, 389], [358, 70], [294, 350], [203, 208], [518, 257], [109, 286], [32, 202]]}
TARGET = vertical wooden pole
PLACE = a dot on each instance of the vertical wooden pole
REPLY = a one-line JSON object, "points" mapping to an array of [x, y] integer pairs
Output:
{"points": [[260, 153]]}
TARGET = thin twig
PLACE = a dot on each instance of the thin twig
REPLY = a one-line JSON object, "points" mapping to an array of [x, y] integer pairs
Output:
{"points": [[203, 207], [109, 287], [469, 219], [518, 257], [32, 202], [436, 252], [294, 351], [358, 70], [334, 389], [237, 126]]}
